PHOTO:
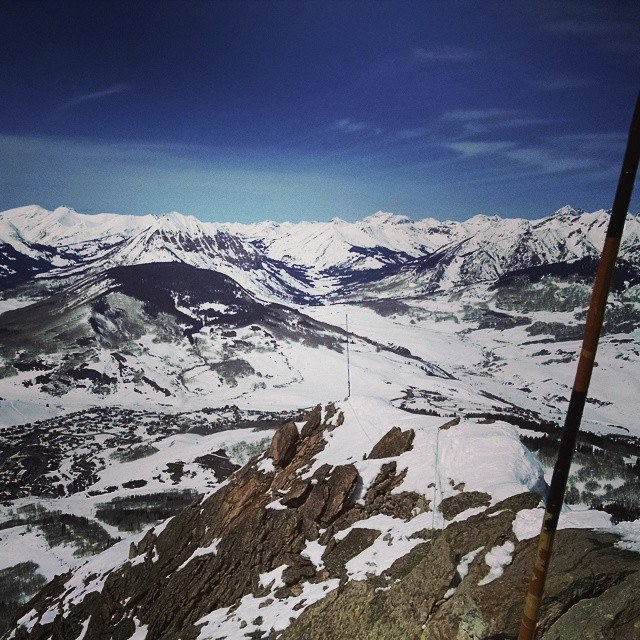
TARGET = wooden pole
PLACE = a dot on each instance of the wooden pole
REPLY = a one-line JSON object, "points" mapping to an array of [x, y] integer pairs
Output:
{"points": [[586, 361]]}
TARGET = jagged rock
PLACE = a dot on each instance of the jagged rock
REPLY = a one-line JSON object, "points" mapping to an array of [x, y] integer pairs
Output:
{"points": [[379, 498], [329, 498], [315, 503], [454, 505], [585, 566], [283, 446], [405, 505], [175, 587], [310, 529], [330, 411], [614, 614], [452, 423], [313, 421], [329, 417], [310, 443], [337, 554], [297, 494], [302, 568], [341, 484], [393, 443], [365, 609], [295, 590], [527, 500], [147, 543], [384, 482]]}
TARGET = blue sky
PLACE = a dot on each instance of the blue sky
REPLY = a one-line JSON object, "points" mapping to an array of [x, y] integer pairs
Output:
{"points": [[298, 110]]}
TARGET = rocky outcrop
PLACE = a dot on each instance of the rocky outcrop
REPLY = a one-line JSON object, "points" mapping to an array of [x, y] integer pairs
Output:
{"points": [[590, 593], [283, 535], [455, 505], [283, 445], [393, 443], [166, 584], [297, 494], [380, 497], [338, 553], [330, 497]]}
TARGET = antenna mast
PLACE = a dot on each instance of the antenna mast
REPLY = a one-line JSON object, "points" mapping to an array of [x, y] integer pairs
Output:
{"points": [[346, 317]]}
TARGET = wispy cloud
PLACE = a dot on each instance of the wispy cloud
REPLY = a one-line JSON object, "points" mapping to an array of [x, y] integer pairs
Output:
{"points": [[589, 142], [94, 95], [587, 153], [502, 161], [477, 114], [421, 58], [498, 135], [563, 83], [551, 160], [608, 25], [415, 132], [347, 125], [476, 121], [444, 54], [481, 148]]}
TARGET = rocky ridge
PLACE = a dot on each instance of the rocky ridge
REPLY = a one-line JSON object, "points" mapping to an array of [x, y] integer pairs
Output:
{"points": [[293, 547]]}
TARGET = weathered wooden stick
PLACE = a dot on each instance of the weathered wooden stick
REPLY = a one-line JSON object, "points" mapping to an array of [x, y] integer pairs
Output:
{"points": [[590, 341]]}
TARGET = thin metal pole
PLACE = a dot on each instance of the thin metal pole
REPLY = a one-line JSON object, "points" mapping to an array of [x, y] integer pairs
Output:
{"points": [[436, 480], [586, 361], [346, 317]]}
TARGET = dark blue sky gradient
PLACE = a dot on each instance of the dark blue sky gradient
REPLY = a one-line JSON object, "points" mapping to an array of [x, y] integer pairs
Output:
{"points": [[291, 110]]}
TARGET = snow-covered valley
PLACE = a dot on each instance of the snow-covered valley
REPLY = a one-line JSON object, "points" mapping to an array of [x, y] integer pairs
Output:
{"points": [[145, 359]]}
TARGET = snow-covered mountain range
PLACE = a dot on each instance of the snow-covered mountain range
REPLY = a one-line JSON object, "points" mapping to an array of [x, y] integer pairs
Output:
{"points": [[298, 261]]}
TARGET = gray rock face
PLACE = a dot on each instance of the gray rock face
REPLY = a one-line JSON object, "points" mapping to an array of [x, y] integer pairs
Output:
{"points": [[451, 507], [380, 499], [591, 593], [331, 495], [393, 443], [171, 589], [341, 485], [339, 553], [614, 613]]}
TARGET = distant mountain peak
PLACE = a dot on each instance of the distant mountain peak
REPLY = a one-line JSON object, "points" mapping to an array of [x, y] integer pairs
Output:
{"points": [[385, 217], [568, 210], [179, 223], [482, 218]]}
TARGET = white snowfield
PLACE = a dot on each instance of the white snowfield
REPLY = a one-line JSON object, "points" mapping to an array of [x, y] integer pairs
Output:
{"points": [[27, 543], [509, 364]]}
